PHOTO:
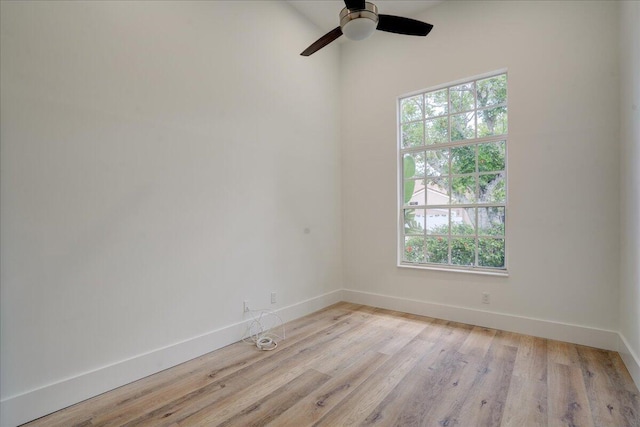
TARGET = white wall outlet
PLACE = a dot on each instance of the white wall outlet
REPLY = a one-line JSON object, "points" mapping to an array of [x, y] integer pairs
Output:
{"points": [[486, 297], [245, 306], [274, 298]]}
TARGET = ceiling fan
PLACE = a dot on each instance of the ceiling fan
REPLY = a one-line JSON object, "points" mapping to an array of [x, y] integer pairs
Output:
{"points": [[359, 19]]}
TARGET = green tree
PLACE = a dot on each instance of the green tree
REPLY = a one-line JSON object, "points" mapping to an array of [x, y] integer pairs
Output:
{"points": [[414, 249], [490, 250], [492, 91]]}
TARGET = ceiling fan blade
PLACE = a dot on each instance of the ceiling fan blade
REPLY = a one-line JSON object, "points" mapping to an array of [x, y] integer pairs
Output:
{"points": [[354, 4], [323, 41], [400, 25]]}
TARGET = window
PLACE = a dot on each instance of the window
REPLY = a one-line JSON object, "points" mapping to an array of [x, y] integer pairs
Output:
{"points": [[453, 176]]}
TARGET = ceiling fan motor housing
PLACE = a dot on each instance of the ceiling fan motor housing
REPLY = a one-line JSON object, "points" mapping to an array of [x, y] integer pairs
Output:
{"points": [[358, 24], [360, 20]]}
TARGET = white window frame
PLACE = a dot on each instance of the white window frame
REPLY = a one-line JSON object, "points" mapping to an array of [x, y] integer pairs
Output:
{"points": [[503, 271]]}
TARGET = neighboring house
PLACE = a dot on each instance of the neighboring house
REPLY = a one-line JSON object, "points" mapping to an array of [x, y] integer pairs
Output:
{"points": [[436, 217]]}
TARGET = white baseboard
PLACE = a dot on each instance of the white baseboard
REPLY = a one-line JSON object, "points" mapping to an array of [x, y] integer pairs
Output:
{"points": [[577, 334], [36, 403], [630, 359]]}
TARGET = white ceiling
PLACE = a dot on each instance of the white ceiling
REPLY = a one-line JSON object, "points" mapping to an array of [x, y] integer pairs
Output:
{"points": [[324, 13]]}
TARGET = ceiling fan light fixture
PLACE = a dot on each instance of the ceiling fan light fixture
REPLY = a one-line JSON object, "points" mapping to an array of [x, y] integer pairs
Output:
{"points": [[360, 19], [359, 24]]}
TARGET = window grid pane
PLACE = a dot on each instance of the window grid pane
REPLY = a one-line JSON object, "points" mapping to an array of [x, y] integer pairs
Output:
{"points": [[454, 189]]}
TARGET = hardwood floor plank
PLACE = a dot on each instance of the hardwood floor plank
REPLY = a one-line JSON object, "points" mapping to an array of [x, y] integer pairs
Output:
{"points": [[478, 342], [271, 406], [568, 403], [421, 389], [313, 407], [526, 403], [563, 353], [508, 338], [484, 401], [350, 364], [401, 335], [358, 404], [611, 404], [527, 399], [384, 332], [531, 360]]}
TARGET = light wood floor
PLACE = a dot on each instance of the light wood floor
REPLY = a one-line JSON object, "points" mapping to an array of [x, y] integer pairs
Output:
{"points": [[357, 365]]}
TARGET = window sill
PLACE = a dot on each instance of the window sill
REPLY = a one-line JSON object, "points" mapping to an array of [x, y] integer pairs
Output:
{"points": [[500, 273]]}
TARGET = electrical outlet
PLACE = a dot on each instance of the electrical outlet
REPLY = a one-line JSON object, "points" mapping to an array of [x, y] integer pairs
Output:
{"points": [[485, 297], [273, 298], [245, 306]]}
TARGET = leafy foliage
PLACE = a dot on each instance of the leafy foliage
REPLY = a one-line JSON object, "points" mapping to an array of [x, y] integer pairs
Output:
{"points": [[409, 168], [411, 109], [435, 249], [492, 91]]}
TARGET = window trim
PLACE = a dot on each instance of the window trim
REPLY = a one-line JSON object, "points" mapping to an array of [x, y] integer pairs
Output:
{"points": [[400, 207]]}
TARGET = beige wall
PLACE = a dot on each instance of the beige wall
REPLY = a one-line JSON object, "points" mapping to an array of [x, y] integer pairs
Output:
{"points": [[160, 163], [563, 155], [630, 185]]}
